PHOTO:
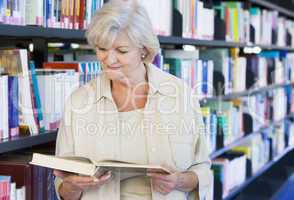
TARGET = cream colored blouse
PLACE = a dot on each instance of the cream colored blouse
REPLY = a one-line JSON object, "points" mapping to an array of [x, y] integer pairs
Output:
{"points": [[171, 123], [133, 139]]}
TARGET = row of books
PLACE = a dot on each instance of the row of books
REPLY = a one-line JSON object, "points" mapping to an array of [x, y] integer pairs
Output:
{"points": [[75, 14], [8, 190], [57, 80], [184, 64], [160, 13], [16, 90], [55, 87], [25, 91], [68, 14], [194, 17], [227, 121], [87, 70], [228, 20], [254, 25], [223, 123], [233, 21], [235, 166], [220, 116], [221, 71], [195, 72]]}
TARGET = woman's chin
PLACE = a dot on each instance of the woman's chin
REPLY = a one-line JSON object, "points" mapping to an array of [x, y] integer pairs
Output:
{"points": [[115, 76]]}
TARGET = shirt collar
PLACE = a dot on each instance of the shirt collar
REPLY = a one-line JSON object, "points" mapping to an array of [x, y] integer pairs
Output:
{"points": [[159, 82], [103, 87]]}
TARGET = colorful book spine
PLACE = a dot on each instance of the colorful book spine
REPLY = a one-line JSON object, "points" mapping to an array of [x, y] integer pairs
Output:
{"points": [[36, 92], [13, 98]]}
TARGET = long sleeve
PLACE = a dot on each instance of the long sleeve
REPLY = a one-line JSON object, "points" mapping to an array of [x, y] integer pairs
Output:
{"points": [[64, 142], [201, 168], [202, 163]]}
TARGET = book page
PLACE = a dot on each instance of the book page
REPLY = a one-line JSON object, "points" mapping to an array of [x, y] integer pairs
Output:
{"points": [[76, 158], [124, 166]]}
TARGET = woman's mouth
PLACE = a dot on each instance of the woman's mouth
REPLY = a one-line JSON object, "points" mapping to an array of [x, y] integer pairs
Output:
{"points": [[113, 67]]}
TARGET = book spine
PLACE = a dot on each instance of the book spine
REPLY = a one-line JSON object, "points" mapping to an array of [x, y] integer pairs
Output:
{"points": [[13, 97], [37, 97]]}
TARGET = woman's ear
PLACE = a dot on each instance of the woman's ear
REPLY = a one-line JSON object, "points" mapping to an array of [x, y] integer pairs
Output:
{"points": [[144, 53]]}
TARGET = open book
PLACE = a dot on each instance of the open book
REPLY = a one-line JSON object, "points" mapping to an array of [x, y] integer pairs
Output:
{"points": [[85, 166]]}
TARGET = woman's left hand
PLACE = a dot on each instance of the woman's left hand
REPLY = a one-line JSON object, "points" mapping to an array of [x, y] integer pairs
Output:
{"points": [[164, 183], [185, 181]]}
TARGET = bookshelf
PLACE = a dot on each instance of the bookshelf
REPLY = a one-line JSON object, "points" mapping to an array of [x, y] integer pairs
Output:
{"points": [[45, 35], [49, 34], [241, 140], [267, 166], [78, 36], [20, 142], [249, 92]]}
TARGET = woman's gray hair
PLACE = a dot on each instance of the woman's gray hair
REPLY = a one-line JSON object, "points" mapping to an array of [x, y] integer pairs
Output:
{"points": [[123, 15]]}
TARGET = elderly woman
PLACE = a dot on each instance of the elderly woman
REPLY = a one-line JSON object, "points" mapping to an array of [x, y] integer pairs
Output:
{"points": [[132, 112]]}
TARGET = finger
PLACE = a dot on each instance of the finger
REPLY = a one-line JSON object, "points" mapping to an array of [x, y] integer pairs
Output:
{"points": [[105, 177], [96, 183], [159, 181], [85, 186], [159, 188], [101, 173], [75, 179], [159, 176], [168, 186]]}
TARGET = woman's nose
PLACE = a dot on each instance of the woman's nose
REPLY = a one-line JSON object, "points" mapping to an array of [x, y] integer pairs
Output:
{"points": [[111, 58]]}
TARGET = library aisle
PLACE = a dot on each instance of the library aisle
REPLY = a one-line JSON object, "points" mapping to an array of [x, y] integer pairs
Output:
{"points": [[236, 55]]}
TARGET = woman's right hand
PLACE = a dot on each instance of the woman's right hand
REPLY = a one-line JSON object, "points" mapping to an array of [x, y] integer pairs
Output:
{"points": [[73, 185]]}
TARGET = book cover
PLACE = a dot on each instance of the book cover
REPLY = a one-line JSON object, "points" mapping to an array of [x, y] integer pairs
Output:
{"points": [[85, 166]]}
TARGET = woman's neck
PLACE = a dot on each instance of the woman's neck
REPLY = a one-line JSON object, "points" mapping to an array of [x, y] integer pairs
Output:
{"points": [[131, 94], [135, 80]]}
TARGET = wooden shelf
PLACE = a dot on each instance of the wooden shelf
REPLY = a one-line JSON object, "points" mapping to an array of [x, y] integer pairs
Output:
{"points": [[21, 142]]}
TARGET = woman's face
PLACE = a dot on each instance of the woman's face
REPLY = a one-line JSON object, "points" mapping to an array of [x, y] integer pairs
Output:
{"points": [[122, 59]]}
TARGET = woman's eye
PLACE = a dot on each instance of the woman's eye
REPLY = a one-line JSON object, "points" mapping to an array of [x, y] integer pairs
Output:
{"points": [[122, 51], [101, 49]]}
